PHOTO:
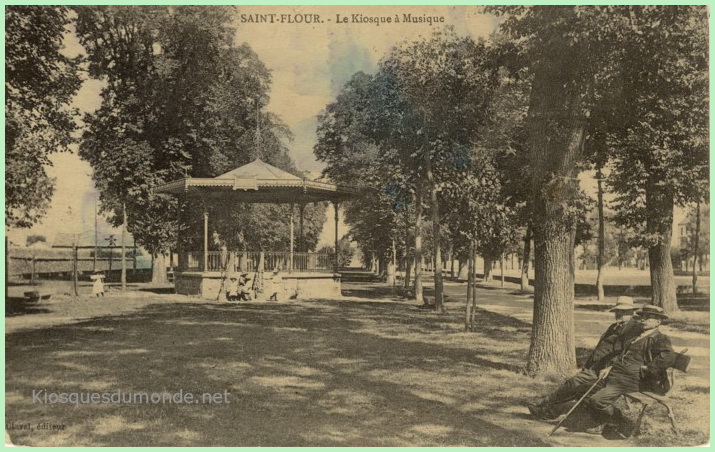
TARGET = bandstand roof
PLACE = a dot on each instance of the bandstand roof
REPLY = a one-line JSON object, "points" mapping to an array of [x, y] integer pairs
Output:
{"points": [[258, 182]]}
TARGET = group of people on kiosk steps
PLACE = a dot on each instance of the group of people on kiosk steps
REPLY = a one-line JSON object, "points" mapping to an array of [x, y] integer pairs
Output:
{"points": [[632, 355], [239, 289]]}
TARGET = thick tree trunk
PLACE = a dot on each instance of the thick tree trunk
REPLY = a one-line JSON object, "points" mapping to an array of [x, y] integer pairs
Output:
{"points": [[418, 246], [556, 126], [158, 271], [436, 245], [553, 343], [487, 268], [525, 260], [661, 277], [463, 270], [601, 238], [659, 222]]}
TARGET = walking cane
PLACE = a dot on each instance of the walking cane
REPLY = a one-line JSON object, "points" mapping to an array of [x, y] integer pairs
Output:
{"points": [[579, 402]]}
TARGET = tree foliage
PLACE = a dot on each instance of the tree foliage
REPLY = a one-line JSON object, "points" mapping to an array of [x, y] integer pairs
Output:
{"points": [[181, 100], [659, 136], [345, 254], [40, 83], [406, 130]]}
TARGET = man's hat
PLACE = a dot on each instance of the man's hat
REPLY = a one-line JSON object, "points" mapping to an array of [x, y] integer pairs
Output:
{"points": [[244, 274], [651, 310], [624, 304]]}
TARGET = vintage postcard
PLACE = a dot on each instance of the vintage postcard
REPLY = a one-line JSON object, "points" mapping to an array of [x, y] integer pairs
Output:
{"points": [[338, 226]]}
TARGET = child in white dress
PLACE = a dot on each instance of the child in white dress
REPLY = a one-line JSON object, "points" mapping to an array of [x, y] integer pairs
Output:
{"points": [[98, 284]]}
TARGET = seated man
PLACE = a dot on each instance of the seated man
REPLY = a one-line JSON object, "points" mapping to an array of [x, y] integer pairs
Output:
{"points": [[641, 365], [609, 345]]}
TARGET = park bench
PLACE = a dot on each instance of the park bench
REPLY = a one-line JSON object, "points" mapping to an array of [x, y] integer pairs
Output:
{"points": [[646, 398], [34, 296]]}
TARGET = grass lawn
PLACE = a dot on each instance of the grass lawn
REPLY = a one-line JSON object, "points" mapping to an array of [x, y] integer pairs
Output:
{"points": [[369, 371]]}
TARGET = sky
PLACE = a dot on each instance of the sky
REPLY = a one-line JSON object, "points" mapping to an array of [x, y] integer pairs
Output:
{"points": [[309, 63]]}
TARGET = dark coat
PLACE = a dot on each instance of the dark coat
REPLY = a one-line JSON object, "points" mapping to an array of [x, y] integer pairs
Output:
{"points": [[610, 344], [659, 356]]}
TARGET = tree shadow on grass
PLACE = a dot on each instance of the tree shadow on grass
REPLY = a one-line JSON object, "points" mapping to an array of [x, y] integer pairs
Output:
{"points": [[596, 307], [158, 290], [298, 375], [15, 306], [376, 292]]}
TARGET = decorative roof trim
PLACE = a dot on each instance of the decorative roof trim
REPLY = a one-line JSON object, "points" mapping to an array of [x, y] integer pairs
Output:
{"points": [[249, 183]]}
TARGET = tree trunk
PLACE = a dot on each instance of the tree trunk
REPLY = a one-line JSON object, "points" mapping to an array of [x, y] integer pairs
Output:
{"points": [[473, 259], [463, 270], [553, 343], [74, 271], [451, 261], [487, 268], [556, 127], [470, 289], [158, 271], [501, 268], [601, 238], [526, 259], [661, 277], [695, 248], [436, 245], [392, 267], [418, 246], [659, 222], [408, 271], [123, 277]]}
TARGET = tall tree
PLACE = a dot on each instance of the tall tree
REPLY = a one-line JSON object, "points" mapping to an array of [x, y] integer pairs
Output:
{"points": [[659, 141], [39, 85], [346, 145], [181, 100], [434, 95], [562, 49], [591, 62]]}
